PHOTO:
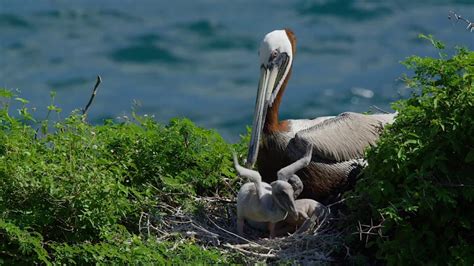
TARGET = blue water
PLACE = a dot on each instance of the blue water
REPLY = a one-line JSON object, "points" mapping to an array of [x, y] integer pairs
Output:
{"points": [[198, 59]]}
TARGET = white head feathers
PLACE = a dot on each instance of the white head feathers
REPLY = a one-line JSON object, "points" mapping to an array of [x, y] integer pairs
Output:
{"points": [[276, 40]]}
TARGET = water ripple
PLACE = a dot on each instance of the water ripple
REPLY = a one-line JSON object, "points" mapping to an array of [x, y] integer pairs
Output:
{"points": [[7, 21], [203, 27], [145, 53], [346, 9]]}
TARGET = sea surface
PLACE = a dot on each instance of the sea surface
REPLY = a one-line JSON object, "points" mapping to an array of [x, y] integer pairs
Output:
{"points": [[198, 59]]}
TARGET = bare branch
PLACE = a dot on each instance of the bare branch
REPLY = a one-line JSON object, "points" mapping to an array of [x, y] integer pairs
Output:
{"points": [[248, 252], [370, 230], [453, 15], [375, 107], [94, 92]]}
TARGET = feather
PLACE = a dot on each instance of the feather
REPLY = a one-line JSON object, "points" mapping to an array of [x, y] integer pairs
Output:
{"points": [[341, 138]]}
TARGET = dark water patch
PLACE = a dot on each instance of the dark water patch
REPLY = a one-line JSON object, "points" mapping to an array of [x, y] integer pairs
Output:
{"points": [[331, 45], [54, 14], [321, 105], [345, 9], [327, 50], [148, 38], [86, 14], [64, 14], [56, 60], [441, 2], [118, 15], [16, 46], [242, 81], [202, 27], [72, 35], [339, 38], [145, 53], [236, 122], [64, 84], [13, 21], [226, 43], [90, 18]]}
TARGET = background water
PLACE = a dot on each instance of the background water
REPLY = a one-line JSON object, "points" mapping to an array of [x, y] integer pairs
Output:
{"points": [[198, 59]]}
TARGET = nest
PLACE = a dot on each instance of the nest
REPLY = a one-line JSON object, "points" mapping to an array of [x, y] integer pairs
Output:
{"points": [[214, 225]]}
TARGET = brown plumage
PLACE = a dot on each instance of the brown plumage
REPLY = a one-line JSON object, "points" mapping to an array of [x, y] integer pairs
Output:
{"points": [[335, 164], [338, 142]]}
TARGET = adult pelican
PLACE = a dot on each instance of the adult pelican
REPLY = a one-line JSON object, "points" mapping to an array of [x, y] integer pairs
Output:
{"points": [[338, 141]]}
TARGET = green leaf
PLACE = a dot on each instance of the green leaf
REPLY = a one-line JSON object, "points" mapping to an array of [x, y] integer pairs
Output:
{"points": [[23, 101], [469, 157], [410, 141], [5, 93]]}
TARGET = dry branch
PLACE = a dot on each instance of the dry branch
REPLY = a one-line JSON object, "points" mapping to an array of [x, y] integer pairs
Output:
{"points": [[91, 99], [470, 25], [370, 230]]}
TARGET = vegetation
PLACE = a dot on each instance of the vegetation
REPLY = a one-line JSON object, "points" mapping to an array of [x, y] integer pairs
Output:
{"points": [[419, 183], [74, 192]]}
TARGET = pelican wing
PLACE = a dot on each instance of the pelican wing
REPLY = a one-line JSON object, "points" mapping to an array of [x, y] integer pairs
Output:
{"points": [[341, 138], [287, 172], [252, 175]]}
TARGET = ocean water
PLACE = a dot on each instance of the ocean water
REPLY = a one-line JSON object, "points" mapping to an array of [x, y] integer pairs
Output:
{"points": [[198, 59]]}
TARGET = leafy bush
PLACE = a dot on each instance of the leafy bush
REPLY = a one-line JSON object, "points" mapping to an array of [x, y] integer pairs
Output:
{"points": [[419, 182], [74, 192], [20, 245], [125, 248]]}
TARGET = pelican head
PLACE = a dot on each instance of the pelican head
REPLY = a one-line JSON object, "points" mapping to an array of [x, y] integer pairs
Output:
{"points": [[276, 57], [283, 196]]}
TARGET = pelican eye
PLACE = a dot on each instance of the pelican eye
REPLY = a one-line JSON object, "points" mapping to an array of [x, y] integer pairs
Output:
{"points": [[274, 54]]}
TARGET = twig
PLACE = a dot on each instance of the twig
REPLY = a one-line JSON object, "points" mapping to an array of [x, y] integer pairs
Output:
{"points": [[94, 92], [148, 225], [214, 199], [379, 109], [140, 222], [470, 25], [247, 252], [366, 230], [230, 233], [214, 235], [340, 201], [248, 245]]}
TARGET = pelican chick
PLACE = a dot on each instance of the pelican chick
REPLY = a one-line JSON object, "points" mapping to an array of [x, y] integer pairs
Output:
{"points": [[262, 202], [305, 209]]}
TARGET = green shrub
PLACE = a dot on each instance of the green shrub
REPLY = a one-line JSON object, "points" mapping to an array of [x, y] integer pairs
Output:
{"points": [[419, 182], [121, 248], [17, 245], [69, 189], [179, 157]]}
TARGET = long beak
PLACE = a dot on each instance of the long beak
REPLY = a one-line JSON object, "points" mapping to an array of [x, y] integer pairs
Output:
{"points": [[287, 202], [271, 79], [261, 106], [264, 96], [282, 194], [289, 206]]}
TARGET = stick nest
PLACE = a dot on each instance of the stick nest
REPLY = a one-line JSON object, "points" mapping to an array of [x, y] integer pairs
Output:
{"points": [[213, 224]]}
